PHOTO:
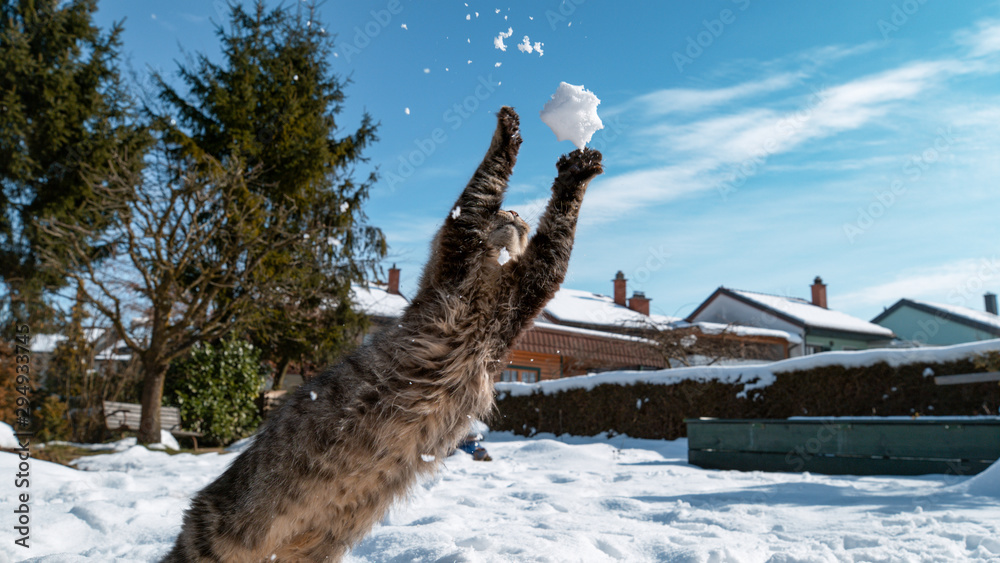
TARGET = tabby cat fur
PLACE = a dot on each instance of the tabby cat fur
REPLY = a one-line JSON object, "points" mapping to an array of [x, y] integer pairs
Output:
{"points": [[350, 442]]}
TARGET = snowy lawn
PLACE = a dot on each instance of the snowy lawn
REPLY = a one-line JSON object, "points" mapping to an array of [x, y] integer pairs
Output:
{"points": [[544, 499]]}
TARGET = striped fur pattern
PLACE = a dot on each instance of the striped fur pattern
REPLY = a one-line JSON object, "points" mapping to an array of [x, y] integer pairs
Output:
{"points": [[352, 441]]}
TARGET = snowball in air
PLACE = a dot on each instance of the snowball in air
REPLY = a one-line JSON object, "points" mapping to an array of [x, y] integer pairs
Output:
{"points": [[498, 40], [572, 114]]}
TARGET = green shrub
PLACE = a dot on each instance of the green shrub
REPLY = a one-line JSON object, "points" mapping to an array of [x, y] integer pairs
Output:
{"points": [[216, 389], [51, 420]]}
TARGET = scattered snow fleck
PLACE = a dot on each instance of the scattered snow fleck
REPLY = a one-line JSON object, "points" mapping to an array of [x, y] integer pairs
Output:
{"points": [[404, 26], [427, 71], [295, 78], [477, 14], [456, 212], [572, 114], [427, 457], [152, 16], [638, 403], [498, 11], [345, 205], [468, 62], [504, 256], [333, 241], [468, 16], [532, 18], [497, 65], [312, 395], [928, 372], [498, 40], [274, 556]]}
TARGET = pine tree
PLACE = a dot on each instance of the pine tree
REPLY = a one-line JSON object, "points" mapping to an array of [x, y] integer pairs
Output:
{"points": [[273, 103], [63, 111]]}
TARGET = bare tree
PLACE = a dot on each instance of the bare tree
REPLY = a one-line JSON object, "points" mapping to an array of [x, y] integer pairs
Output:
{"points": [[185, 231], [683, 344]]}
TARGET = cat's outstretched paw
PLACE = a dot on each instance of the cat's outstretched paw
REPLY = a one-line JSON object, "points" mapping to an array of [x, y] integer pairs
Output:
{"points": [[580, 165], [508, 133]]}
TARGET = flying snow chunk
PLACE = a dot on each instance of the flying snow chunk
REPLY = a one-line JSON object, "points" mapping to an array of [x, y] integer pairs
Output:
{"points": [[312, 395], [525, 46], [404, 26], [427, 457], [498, 40], [406, 111], [455, 213], [572, 114], [504, 256]]}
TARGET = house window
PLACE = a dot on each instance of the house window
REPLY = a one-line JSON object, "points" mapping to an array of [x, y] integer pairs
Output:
{"points": [[816, 349], [516, 373]]}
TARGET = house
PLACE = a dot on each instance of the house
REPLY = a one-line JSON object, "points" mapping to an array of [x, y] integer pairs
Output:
{"points": [[580, 332], [108, 352], [937, 324], [383, 303], [819, 328], [683, 342]]}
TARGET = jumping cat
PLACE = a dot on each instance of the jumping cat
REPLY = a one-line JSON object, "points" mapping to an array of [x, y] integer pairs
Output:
{"points": [[350, 442]]}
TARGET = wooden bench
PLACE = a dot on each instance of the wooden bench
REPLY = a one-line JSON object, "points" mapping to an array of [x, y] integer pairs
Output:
{"points": [[126, 416], [846, 446]]}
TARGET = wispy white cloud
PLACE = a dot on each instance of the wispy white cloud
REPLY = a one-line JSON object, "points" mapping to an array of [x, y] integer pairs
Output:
{"points": [[984, 40], [683, 100], [680, 155], [960, 282]]}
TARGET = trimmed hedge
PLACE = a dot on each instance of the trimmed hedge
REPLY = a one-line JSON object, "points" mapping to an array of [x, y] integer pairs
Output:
{"points": [[657, 411]]}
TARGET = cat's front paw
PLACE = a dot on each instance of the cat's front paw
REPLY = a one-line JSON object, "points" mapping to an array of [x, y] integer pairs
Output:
{"points": [[508, 132], [580, 165]]}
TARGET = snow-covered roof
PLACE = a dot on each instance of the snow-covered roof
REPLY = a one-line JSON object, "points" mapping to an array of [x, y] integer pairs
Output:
{"points": [[980, 317], [584, 307], [376, 301], [740, 330], [45, 343], [813, 316], [543, 324]]}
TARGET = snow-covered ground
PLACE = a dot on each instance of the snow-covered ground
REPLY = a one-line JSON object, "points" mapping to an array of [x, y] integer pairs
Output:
{"points": [[544, 499]]}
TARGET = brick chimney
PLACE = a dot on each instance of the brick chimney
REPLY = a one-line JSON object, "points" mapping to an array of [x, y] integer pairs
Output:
{"points": [[620, 291], [393, 280], [639, 303], [991, 302], [819, 292]]}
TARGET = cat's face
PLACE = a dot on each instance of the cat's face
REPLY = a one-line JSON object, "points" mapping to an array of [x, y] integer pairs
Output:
{"points": [[508, 231]]}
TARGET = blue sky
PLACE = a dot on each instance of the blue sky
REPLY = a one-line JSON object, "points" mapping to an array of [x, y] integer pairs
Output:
{"points": [[747, 144]]}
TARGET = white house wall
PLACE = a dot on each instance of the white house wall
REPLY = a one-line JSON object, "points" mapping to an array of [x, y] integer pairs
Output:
{"points": [[725, 309]]}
